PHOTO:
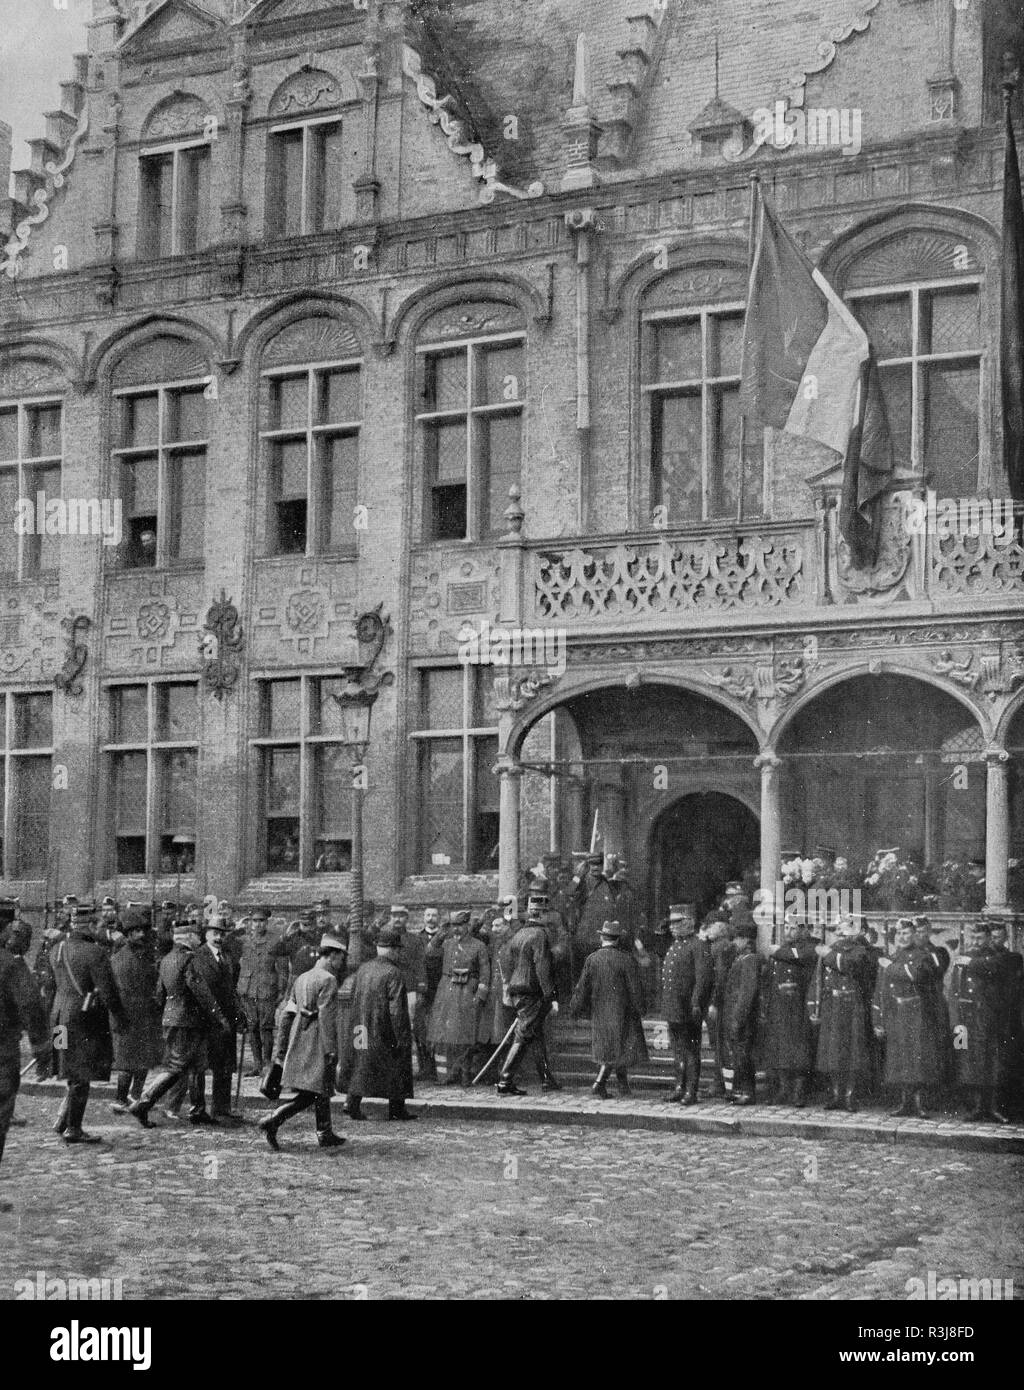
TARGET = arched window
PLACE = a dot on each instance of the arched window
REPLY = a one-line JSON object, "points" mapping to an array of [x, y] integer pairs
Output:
{"points": [[470, 398], [919, 298], [31, 457], [160, 433], [691, 326], [306, 187], [174, 179], [310, 416]]}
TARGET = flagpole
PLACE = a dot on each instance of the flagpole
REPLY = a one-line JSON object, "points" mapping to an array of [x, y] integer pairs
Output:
{"points": [[751, 234]]}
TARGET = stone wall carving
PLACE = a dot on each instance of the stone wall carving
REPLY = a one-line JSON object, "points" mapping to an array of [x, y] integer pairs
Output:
{"points": [[180, 115], [447, 590], [318, 339], [967, 566], [29, 632], [311, 90], [303, 609], [146, 614]]}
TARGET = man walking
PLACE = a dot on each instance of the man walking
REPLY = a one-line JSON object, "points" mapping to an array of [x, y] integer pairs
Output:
{"points": [[685, 989], [188, 1008], [214, 964], [1011, 1049], [609, 992], [139, 1045], [529, 981], [307, 1044], [380, 1033], [458, 1007], [20, 1011], [787, 1043], [259, 988]]}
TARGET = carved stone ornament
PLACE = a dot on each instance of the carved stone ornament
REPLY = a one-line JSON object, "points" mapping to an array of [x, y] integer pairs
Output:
{"points": [[219, 643], [67, 678], [514, 691], [767, 681], [993, 674]]}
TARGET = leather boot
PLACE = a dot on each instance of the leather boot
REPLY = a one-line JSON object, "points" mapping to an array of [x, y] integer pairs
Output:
{"points": [[905, 1107], [269, 1125], [835, 1099], [850, 1103], [140, 1109], [800, 1091], [991, 1111], [353, 1108], [917, 1106], [622, 1079], [327, 1139], [680, 1091], [548, 1080], [600, 1086], [506, 1083], [60, 1124], [977, 1111]]}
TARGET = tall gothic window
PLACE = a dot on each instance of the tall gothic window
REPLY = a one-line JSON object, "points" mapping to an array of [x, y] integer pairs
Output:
{"points": [[26, 770], [304, 177], [456, 741], [470, 399], [152, 754], [311, 410], [31, 453]]}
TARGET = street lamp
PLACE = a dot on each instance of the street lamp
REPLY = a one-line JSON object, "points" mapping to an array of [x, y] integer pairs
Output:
{"points": [[355, 705]]}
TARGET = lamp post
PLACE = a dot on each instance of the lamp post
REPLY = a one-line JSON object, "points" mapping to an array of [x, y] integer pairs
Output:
{"points": [[355, 703]]}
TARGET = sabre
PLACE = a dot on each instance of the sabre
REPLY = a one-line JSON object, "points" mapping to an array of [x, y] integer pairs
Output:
{"points": [[487, 1065]]}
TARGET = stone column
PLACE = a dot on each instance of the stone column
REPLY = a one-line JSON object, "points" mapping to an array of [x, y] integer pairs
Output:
{"points": [[771, 841], [611, 801], [997, 828], [509, 777]]}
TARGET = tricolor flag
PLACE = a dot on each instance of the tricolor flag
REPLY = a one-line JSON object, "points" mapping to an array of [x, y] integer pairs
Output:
{"points": [[1011, 336], [807, 368]]}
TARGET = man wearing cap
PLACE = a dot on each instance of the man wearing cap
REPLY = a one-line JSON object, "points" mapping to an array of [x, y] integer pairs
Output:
{"points": [[741, 1010], [718, 935], [686, 983], [529, 982], [20, 1011], [188, 1010], [217, 969], [840, 999], [1011, 1051], [308, 1044], [379, 1042], [297, 951], [259, 988], [139, 1045], [595, 904], [976, 1016], [787, 1043], [935, 997], [85, 1006], [465, 984], [499, 1014], [412, 963], [608, 992], [110, 933], [904, 1018]]}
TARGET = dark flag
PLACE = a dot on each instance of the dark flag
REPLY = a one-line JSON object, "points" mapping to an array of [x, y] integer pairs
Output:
{"points": [[1011, 334]]}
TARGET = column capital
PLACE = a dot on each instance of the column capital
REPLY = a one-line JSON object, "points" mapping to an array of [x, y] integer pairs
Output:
{"points": [[506, 766], [768, 760]]}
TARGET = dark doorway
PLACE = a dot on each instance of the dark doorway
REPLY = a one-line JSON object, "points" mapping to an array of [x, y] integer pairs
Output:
{"points": [[698, 844]]}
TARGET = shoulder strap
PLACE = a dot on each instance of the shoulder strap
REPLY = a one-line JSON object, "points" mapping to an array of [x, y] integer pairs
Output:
{"points": [[62, 959]]}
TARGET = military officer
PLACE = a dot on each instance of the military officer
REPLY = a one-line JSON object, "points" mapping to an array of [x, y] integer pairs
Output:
{"points": [[976, 1015], [379, 1043], [259, 988], [903, 1015], [786, 1037], [412, 963], [85, 1004], [686, 983], [721, 950], [20, 1011], [529, 981], [465, 984], [499, 1014], [595, 899], [297, 950], [139, 1046], [935, 997], [188, 1009], [1011, 1063], [840, 999], [308, 1044], [740, 1010], [609, 992]]}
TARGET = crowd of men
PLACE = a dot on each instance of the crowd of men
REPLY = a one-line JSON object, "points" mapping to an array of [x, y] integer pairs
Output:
{"points": [[161, 997]]}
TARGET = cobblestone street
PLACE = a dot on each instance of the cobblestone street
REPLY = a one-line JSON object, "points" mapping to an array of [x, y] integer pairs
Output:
{"points": [[471, 1208]]}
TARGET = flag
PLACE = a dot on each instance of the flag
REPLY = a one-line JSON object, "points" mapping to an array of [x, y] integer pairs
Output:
{"points": [[807, 368], [1011, 325]]}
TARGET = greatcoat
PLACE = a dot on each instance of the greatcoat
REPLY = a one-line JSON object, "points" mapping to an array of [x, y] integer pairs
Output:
{"points": [[786, 1037], [975, 1014], [457, 1015], [140, 1046], [378, 1042], [609, 991], [904, 1008], [81, 966], [308, 1032]]}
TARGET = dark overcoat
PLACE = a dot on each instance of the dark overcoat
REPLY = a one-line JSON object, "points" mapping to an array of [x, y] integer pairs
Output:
{"points": [[741, 1000], [378, 1043], [81, 966], [787, 1043], [686, 980], [308, 1032], [904, 1008], [842, 999], [609, 992], [457, 1015], [219, 978], [1011, 972], [598, 909], [140, 1045], [976, 1014]]}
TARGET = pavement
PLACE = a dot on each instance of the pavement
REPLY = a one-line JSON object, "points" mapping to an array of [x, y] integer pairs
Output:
{"points": [[457, 1207], [578, 1107]]}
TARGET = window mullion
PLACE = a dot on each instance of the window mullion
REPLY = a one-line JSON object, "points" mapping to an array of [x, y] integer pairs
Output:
{"points": [[311, 507], [472, 525], [305, 780], [19, 558], [152, 851], [304, 190], [175, 169], [707, 463]]}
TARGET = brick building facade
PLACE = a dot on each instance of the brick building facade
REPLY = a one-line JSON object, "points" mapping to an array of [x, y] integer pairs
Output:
{"points": [[433, 309]]}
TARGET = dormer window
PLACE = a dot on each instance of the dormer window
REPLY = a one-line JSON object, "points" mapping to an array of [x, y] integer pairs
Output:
{"points": [[174, 199], [304, 183]]}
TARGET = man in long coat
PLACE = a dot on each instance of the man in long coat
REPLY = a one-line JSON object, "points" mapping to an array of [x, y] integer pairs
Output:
{"points": [[499, 1012], [189, 1009], [685, 988], [1011, 1054], [787, 1042], [86, 1000], [379, 1042], [840, 998], [217, 969], [21, 1011], [528, 976], [904, 1015], [936, 994], [721, 951], [139, 1046], [598, 907], [430, 969], [259, 988], [307, 1044], [976, 1016], [465, 985], [608, 992], [741, 1010]]}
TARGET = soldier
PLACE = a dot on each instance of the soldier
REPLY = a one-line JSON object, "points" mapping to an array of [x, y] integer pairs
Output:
{"points": [[976, 995], [188, 1007], [935, 997], [787, 1041], [259, 988], [20, 1011], [529, 981], [139, 1046], [308, 1045], [721, 951], [110, 933], [380, 1035], [609, 992], [465, 984], [85, 1005], [412, 962], [499, 1015], [686, 983], [213, 963], [432, 966], [297, 950], [595, 904], [840, 999], [46, 985], [1011, 1063], [903, 1015], [740, 1010]]}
